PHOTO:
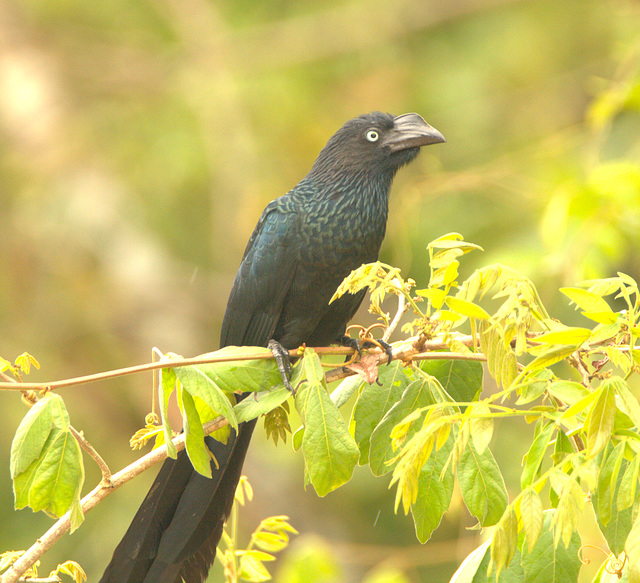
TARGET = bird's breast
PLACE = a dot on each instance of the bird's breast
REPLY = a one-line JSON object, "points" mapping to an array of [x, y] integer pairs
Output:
{"points": [[341, 239]]}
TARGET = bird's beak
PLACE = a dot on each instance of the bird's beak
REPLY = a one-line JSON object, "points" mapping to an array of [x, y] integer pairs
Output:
{"points": [[411, 131]]}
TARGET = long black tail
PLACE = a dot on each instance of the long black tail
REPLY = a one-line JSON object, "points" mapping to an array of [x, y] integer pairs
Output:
{"points": [[174, 534]]}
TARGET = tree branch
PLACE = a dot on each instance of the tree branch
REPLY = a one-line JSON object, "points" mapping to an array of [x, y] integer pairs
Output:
{"points": [[62, 525], [417, 348]]}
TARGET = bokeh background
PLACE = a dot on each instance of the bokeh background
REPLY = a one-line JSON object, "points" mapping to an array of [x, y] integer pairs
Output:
{"points": [[140, 140]]}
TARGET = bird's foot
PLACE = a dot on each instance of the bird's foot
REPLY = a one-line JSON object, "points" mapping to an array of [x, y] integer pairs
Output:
{"points": [[388, 350], [369, 343], [283, 362]]}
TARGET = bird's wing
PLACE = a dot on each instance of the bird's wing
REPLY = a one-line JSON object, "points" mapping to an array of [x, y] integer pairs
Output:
{"points": [[263, 280]]}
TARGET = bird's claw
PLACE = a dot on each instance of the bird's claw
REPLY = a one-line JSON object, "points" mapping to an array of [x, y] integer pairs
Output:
{"points": [[358, 346], [283, 362], [388, 349]]}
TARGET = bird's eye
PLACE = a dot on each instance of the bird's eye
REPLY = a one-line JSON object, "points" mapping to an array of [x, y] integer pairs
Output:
{"points": [[372, 135]]}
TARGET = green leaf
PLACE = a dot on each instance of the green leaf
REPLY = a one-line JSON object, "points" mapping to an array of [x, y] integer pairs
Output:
{"points": [[312, 368], [548, 563], [461, 379], [530, 507], [563, 447], [482, 485], [501, 359], [376, 400], [434, 492], [72, 569], [604, 495], [505, 541], [569, 392], [628, 485], [296, 438], [600, 419], [585, 300], [241, 376], [32, 433], [76, 515], [467, 308], [472, 565], [197, 451], [53, 481], [270, 541], [260, 403], [604, 332], [196, 381], [632, 548], [330, 452], [614, 523], [347, 387], [418, 394], [533, 458], [46, 461], [534, 386]]}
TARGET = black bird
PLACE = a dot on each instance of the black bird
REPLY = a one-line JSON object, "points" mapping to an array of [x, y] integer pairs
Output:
{"points": [[306, 242]]}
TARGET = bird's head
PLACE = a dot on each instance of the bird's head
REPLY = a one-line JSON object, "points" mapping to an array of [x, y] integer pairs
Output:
{"points": [[377, 142]]}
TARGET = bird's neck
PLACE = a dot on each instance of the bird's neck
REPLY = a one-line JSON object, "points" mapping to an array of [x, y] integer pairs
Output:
{"points": [[363, 191]]}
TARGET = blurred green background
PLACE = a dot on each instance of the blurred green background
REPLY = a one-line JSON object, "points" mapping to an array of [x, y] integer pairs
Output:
{"points": [[140, 140]]}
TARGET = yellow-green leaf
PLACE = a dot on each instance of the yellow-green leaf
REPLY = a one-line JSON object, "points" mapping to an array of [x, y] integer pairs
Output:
{"points": [[599, 422], [585, 300], [606, 317], [630, 404], [530, 507], [551, 356], [481, 426], [466, 308], [573, 336], [505, 539], [628, 485], [435, 295], [252, 569], [25, 361]]}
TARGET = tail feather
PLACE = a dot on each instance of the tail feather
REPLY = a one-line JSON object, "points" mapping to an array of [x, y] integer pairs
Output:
{"points": [[174, 534]]}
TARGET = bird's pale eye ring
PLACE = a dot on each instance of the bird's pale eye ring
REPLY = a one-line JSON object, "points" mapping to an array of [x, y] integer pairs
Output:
{"points": [[372, 135]]}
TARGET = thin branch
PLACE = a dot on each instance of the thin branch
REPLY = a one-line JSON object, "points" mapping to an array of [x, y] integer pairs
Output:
{"points": [[401, 353], [84, 443], [8, 379], [151, 366], [402, 308], [62, 525]]}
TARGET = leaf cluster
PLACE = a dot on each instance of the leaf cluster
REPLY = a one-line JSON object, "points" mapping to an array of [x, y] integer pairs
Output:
{"points": [[426, 422]]}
